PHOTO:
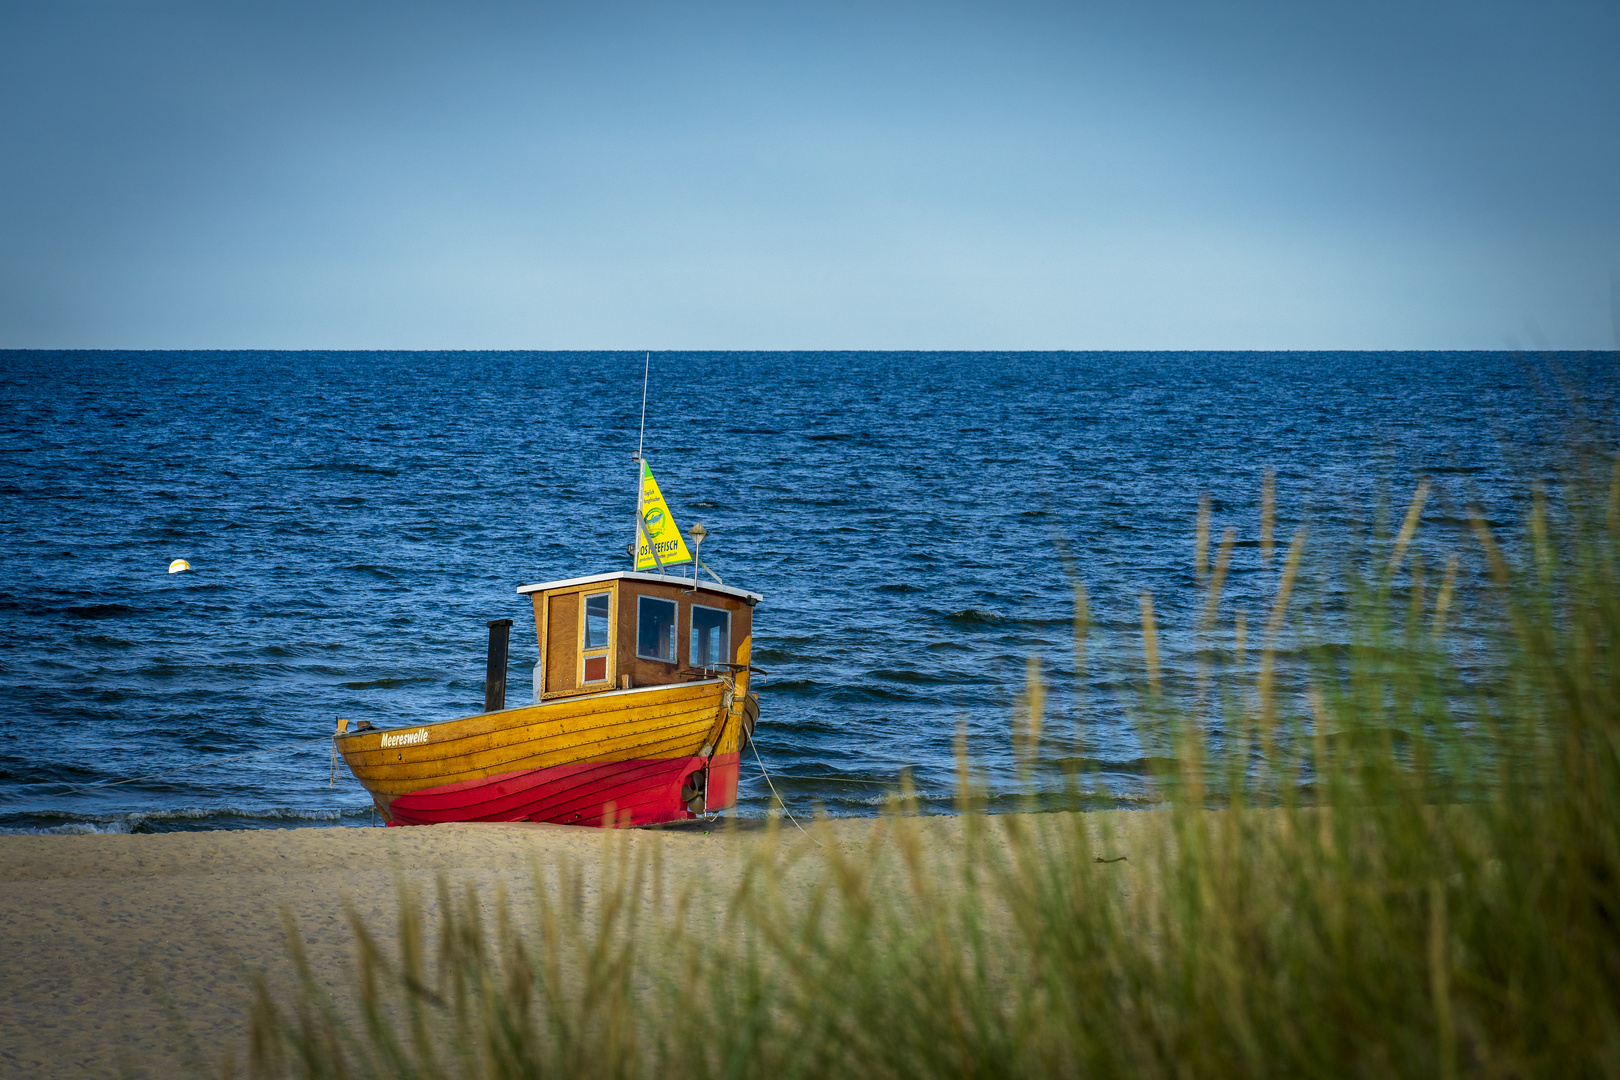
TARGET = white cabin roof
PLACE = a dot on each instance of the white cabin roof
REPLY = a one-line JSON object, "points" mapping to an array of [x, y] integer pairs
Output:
{"points": [[657, 579]]}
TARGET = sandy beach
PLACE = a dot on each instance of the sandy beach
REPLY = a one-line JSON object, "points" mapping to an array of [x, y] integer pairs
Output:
{"points": [[109, 942]]}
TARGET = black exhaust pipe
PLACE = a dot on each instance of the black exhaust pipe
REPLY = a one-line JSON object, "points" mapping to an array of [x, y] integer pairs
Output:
{"points": [[500, 634]]}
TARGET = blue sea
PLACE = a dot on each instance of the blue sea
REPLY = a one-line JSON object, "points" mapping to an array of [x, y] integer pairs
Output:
{"points": [[352, 520]]}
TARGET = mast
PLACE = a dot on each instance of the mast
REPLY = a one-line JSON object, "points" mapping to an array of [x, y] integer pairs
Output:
{"points": [[640, 526], [641, 486]]}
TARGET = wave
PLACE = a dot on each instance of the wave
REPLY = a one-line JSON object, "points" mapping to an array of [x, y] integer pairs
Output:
{"points": [[101, 611], [796, 686], [975, 617], [856, 693], [383, 684], [906, 675], [382, 573], [350, 467], [107, 641], [1145, 766], [180, 819]]}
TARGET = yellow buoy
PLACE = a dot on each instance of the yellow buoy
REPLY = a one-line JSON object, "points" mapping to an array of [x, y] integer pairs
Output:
{"points": [[179, 565]]}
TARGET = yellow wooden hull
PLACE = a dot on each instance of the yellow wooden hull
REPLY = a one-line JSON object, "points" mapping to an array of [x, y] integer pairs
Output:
{"points": [[634, 756]]}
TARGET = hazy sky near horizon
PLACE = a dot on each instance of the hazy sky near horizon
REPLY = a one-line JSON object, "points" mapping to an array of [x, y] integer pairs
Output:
{"points": [[1186, 174]]}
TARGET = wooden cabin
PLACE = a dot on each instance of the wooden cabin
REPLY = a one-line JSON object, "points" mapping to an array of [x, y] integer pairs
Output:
{"points": [[624, 630]]}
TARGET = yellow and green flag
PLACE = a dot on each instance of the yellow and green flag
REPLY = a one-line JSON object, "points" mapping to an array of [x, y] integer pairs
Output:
{"points": [[658, 525]]}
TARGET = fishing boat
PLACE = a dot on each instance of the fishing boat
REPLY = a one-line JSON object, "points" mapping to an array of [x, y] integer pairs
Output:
{"points": [[642, 703]]}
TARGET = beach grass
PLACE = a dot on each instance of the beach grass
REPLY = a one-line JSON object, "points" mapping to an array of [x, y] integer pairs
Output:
{"points": [[1388, 845]]}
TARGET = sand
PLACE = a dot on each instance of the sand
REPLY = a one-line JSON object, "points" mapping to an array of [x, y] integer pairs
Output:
{"points": [[109, 944]]}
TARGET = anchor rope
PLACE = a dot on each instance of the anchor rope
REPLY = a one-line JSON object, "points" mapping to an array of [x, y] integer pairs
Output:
{"points": [[753, 745]]}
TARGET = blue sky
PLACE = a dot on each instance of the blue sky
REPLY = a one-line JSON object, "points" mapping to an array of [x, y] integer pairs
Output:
{"points": [[1205, 174]]}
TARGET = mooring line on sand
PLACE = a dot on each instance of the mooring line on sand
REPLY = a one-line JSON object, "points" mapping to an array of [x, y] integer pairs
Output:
{"points": [[166, 772], [754, 746]]}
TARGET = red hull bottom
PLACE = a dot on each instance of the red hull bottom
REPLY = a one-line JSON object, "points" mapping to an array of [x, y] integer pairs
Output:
{"points": [[643, 792]]}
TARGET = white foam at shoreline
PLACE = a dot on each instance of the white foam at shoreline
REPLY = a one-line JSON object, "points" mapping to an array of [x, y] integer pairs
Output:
{"points": [[114, 824]]}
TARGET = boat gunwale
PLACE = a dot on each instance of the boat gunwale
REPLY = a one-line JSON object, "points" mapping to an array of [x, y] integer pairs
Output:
{"points": [[555, 703], [694, 722]]}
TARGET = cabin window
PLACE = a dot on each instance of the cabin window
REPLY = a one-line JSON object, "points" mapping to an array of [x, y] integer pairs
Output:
{"points": [[711, 636], [655, 629], [594, 638], [596, 621]]}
